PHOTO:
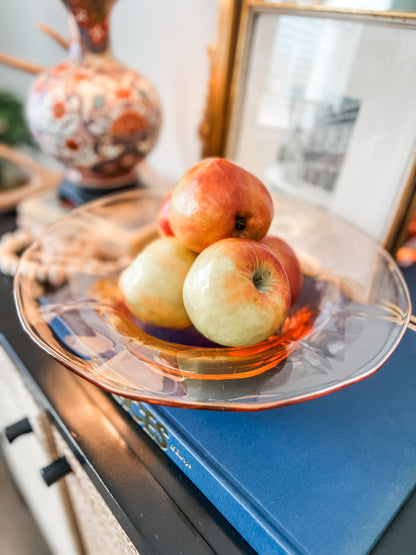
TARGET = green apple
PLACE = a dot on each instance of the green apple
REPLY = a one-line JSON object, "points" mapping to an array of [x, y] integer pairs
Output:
{"points": [[237, 292], [152, 284]]}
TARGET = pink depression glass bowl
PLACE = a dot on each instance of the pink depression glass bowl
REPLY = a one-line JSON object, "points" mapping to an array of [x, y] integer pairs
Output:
{"points": [[351, 315]]}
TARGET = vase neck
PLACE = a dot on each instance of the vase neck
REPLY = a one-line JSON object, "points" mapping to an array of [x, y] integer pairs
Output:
{"points": [[89, 26]]}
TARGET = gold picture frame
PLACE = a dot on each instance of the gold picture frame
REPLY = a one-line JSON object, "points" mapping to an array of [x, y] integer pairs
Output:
{"points": [[355, 39]]}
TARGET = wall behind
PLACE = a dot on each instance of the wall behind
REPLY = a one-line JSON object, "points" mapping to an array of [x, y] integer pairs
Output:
{"points": [[165, 41]]}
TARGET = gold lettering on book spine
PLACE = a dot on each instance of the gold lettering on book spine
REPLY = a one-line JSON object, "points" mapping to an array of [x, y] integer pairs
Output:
{"points": [[146, 420]]}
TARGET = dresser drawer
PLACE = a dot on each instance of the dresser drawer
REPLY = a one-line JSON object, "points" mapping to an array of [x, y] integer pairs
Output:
{"points": [[29, 453]]}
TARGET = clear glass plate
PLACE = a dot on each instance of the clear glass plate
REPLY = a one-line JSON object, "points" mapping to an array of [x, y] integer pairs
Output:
{"points": [[352, 313]]}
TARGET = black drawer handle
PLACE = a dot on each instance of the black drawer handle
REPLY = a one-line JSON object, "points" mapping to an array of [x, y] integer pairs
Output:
{"points": [[17, 429], [55, 471]]}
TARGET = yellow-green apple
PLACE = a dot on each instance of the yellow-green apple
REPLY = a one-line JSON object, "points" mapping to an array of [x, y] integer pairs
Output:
{"points": [[288, 259], [237, 292], [217, 199], [152, 284], [163, 217]]}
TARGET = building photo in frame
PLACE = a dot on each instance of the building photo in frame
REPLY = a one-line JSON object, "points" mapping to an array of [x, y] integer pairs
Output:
{"points": [[316, 116]]}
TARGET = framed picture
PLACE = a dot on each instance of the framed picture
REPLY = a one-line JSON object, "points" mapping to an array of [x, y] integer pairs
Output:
{"points": [[321, 106]]}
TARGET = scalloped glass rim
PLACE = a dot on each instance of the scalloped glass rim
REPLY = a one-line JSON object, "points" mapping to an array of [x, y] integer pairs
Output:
{"points": [[353, 311]]}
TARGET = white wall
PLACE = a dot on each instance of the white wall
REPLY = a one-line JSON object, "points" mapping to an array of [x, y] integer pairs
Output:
{"points": [[164, 40]]}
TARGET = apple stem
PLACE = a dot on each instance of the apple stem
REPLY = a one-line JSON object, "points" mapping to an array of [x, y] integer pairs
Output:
{"points": [[240, 223], [257, 280], [261, 279]]}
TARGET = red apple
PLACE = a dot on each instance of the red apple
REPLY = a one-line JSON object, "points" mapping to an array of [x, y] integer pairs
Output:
{"points": [[217, 199], [163, 217], [237, 292], [152, 284], [288, 259]]}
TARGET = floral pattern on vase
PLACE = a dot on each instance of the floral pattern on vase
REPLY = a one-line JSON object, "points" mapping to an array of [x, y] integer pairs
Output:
{"points": [[92, 113]]}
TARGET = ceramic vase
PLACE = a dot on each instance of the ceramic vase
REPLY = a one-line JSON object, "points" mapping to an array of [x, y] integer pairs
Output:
{"points": [[92, 113]]}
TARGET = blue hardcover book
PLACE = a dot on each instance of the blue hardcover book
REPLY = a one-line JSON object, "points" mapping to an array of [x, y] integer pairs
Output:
{"points": [[322, 477]]}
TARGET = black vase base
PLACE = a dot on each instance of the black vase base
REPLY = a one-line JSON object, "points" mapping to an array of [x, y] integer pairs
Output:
{"points": [[73, 195]]}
